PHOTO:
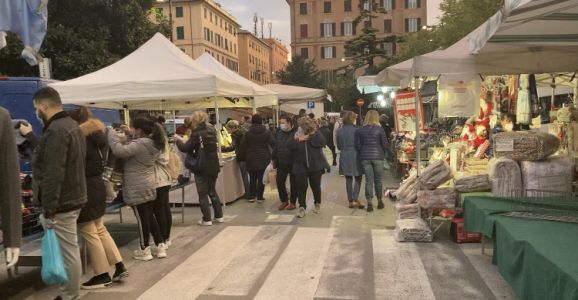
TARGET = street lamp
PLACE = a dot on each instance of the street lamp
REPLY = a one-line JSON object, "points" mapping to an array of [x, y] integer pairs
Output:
{"points": [[170, 16]]}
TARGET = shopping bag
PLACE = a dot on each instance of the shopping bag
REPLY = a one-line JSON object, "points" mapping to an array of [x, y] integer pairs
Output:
{"points": [[266, 174], [273, 179], [53, 271]]}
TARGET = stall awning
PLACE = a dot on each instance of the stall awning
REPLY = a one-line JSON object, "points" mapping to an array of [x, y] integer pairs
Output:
{"points": [[291, 93]]}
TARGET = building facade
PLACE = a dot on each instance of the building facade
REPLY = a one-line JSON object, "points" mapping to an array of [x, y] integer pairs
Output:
{"points": [[201, 26], [254, 58], [279, 57], [320, 28]]}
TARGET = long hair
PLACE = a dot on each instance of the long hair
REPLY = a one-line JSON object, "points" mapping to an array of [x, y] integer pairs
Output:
{"points": [[198, 117], [152, 129], [80, 114], [371, 118], [307, 124], [349, 117]]}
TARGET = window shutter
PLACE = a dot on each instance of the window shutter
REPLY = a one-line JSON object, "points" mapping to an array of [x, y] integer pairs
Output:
{"points": [[387, 26], [418, 24], [393, 48], [406, 3], [393, 4], [322, 52], [334, 52], [406, 25], [333, 31], [354, 25], [321, 30], [418, 3], [342, 29]]}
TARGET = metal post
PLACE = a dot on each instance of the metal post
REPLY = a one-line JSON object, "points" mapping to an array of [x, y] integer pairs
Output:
{"points": [[171, 18], [553, 86], [417, 123], [277, 113], [253, 106], [217, 127], [576, 91]]}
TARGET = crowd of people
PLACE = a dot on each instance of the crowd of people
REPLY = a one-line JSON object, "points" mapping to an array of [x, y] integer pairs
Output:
{"points": [[79, 164]]}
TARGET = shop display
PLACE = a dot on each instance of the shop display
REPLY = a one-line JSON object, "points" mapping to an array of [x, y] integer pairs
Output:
{"points": [[474, 166], [526, 145], [437, 199], [473, 183], [505, 177], [552, 177], [412, 230], [407, 211], [434, 175], [407, 190]]}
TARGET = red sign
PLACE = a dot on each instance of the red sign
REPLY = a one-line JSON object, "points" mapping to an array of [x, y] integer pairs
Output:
{"points": [[359, 102]]}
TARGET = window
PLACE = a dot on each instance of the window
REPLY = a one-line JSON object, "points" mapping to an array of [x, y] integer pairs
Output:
{"points": [[412, 24], [388, 48], [388, 4], [347, 5], [226, 44], [305, 53], [212, 36], [411, 4], [302, 8], [366, 5], [179, 11], [205, 12], [327, 29], [366, 24], [221, 21], [211, 17], [327, 7], [303, 30], [328, 52], [180, 33], [347, 28], [387, 26]]}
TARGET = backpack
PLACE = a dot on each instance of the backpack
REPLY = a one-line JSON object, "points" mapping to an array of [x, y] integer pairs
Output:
{"points": [[175, 165]]}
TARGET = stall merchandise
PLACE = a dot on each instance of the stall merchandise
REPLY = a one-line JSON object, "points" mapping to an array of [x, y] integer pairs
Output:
{"points": [[439, 198], [460, 235], [412, 230], [525, 145], [473, 183], [552, 177], [435, 175], [474, 166], [506, 177], [407, 190], [407, 211]]}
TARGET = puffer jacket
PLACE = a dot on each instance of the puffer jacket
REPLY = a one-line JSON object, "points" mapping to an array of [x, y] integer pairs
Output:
{"points": [[96, 148], [58, 166], [370, 142], [139, 157], [190, 147], [256, 146], [308, 155], [282, 155]]}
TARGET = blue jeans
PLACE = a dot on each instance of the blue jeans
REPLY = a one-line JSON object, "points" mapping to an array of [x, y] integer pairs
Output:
{"points": [[373, 171], [352, 187]]}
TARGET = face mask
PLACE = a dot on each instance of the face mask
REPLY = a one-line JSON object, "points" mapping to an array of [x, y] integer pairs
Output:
{"points": [[283, 127], [39, 116], [509, 127]]}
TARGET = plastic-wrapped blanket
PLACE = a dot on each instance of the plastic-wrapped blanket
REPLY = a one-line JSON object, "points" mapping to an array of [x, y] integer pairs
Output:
{"points": [[526, 145], [434, 175], [439, 198], [412, 230], [552, 177], [505, 177], [406, 192], [407, 211], [474, 183]]}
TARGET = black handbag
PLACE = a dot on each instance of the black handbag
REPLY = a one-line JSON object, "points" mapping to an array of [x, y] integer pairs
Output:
{"points": [[196, 161]]}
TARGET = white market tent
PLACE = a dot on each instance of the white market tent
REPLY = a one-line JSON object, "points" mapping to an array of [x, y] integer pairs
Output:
{"points": [[395, 75], [296, 94], [158, 75], [367, 85], [262, 96]]}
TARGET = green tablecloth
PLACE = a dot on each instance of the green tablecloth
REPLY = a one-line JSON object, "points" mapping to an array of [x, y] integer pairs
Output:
{"points": [[464, 195], [480, 213]]}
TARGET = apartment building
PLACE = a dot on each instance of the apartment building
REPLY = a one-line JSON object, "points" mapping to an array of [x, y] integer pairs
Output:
{"points": [[320, 28], [254, 58], [201, 26], [279, 57]]}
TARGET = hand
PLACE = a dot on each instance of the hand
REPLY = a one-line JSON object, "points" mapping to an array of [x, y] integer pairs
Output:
{"points": [[25, 128], [177, 138], [126, 129], [12, 255], [303, 138], [46, 222]]}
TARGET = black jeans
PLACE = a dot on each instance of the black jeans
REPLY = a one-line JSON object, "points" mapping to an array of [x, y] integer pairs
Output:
{"points": [[257, 187], [332, 148], [147, 224], [162, 211], [206, 190], [315, 184], [282, 172]]}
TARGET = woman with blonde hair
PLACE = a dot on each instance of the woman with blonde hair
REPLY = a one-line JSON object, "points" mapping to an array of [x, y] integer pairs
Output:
{"points": [[371, 142], [203, 142], [348, 163]]}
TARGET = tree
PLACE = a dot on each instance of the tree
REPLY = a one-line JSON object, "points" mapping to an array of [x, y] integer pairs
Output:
{"points": [[344, 92], [86, 35], [364, 49], [300, 72]]}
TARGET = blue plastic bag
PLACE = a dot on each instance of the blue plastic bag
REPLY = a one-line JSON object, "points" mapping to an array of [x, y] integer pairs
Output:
{"points": [[53, 271]]}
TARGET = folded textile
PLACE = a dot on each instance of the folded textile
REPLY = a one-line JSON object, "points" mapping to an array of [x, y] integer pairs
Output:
{"points": [[407, 211], [407, 190], [505, 177], [412, 230], [525, 145], [439, 198], [552, 177], [475, 183], [434, 175]]}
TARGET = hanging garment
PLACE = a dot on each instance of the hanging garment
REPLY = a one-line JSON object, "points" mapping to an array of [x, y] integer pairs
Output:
{"points": [[534, 100], [523, 109]]}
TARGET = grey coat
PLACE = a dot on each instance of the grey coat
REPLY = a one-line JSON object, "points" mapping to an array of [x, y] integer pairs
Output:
{"points": [[348, 161], [139, 156], [10, 198]]}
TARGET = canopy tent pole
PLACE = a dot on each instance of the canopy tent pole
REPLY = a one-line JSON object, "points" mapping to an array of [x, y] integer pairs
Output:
{"points": [[417, 123], [174, 121], [253, 106], [553, 86], [277, 113], [126, 114], [217, 127], [576, 91]]}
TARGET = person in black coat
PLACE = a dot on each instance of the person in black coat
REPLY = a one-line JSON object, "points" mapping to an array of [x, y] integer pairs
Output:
{"points": [[101, 247], [327, 130], [237, 133], [256, 149], [309, 163], [283, 162], [204, 135]]}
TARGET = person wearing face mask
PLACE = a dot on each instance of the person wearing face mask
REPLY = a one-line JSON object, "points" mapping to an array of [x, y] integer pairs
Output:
{"points": [[507, 124], [283, 161]]}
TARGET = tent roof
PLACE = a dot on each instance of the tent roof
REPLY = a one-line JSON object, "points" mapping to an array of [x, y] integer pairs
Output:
{"points": [[156, 75], [293, 93], [263, 96], [367, 85], [393, 75]]}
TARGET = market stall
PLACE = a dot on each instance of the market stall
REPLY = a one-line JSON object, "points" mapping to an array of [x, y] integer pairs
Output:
{"points": [[293, 98]]}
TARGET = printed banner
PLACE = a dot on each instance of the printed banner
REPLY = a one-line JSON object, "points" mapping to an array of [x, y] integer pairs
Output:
{"points": [[459, 99], [404, 111]]}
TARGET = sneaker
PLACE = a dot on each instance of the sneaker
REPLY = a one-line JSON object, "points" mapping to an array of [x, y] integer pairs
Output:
{"points": [[369, 208], [120, 274], [360, 205], [283, 205], [162, 250], [205, 223], [380, 204], [143, 254], [291, 206], [317, 208], [97, 282], [219, 220], [301, 213], [168, 243], [260, 201], [251, 200], [353, 204]]}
